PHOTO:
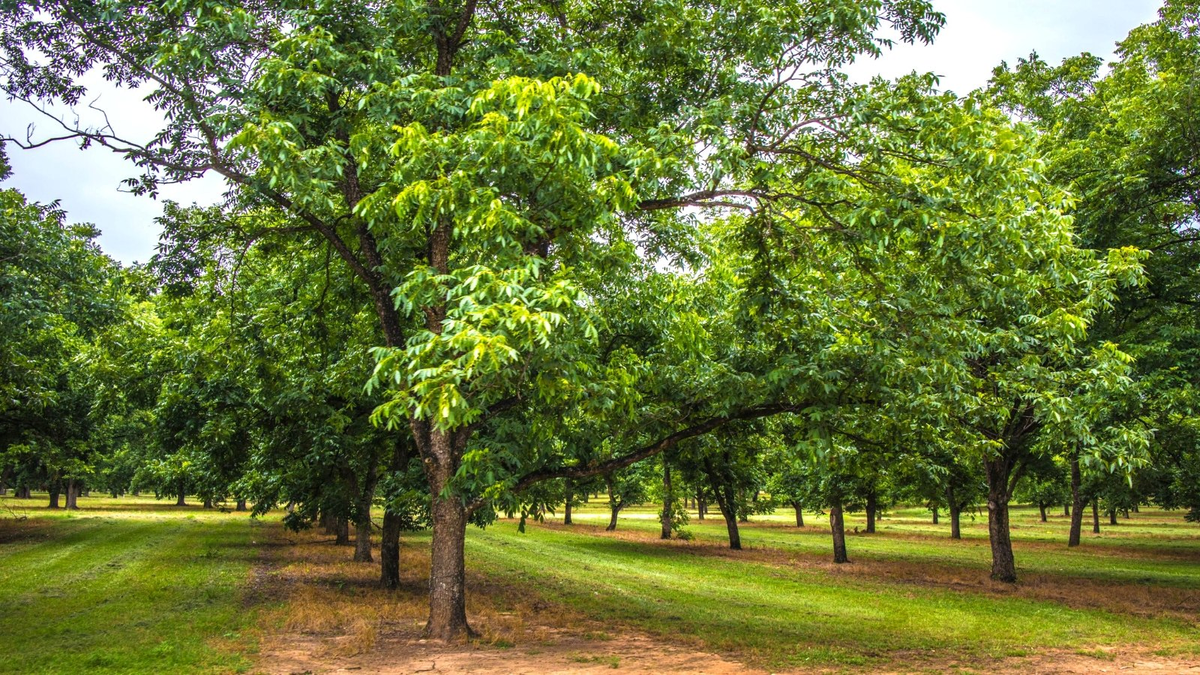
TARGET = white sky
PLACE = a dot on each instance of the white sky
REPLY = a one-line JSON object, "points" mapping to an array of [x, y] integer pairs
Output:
{"points": [[977, 36]]}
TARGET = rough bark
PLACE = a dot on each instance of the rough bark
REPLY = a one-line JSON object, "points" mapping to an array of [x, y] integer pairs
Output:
{"points": [[668, 499], [389, 552], [1073, 537], [447, 572], [837, 524], [1004, 567], [362, 541], [72, 495], [799, 514]]}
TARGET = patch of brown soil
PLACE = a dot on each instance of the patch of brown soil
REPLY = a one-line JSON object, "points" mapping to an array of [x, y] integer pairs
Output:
{"points": [[333, 617], [1142, 600]]}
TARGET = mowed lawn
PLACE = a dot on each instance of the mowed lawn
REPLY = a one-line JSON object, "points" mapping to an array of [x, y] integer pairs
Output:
{"points": [[124, 586], [134, 585]]}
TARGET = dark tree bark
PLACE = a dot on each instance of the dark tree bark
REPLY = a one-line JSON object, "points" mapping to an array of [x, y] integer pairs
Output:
{"points": [[701, 508], [54, 492], [1095, 516], [955, 507], [614, 507], [935, 515], [837, 524], [447, 571], [1112, 517], [668, 500], [726, 501], [1042, 510], [72, 495], [208, 503], [567, 506], [362, 542], [872, 506], [1000, 476], [23, 492], [799, 514], [241, 505], [343, 532], [362, 513], [389, 551], [1067, 510], [1073, 537], [180, 501]]}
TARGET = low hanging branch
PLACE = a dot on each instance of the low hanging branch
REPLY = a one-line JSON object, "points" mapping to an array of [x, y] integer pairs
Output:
{"points": [[645, 452]]}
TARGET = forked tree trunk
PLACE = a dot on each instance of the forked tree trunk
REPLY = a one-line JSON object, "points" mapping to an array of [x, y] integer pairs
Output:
{"points": [[725, 501], [872, 505], [1073, 537], [1095, 516], [837, 524], [668, 499], [343, 532], [799, 514]]}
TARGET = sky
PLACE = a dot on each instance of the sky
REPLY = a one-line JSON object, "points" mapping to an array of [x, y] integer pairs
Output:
{"points": [[978, 35]]}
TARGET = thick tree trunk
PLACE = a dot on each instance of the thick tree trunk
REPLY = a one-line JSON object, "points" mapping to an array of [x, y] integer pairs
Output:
{"points": [[72, 495], [837, 524], [999, 473], [241, 505], [208, 502], [179, 501], [668, 500], [389, 552], [872, 505], [1073, 536], [935, 515], [23, 492], [447, 571], [726, 502], [362, 542], [799, 514], [54, 492], [1095, 516], [1112, 517], [343, 532], [1042, 511], [329, 522], [955, 522]]}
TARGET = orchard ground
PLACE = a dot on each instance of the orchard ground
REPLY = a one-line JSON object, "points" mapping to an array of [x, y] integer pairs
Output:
{"points": [[135, 585]]}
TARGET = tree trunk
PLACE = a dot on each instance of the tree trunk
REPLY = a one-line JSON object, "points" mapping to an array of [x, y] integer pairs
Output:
{"points": [[799, 514], [343, 532], [1112, 517], [362, 542], [447, 570], [837, 524], [389, 551], [1135, 509], [179, 501], [1042, 510], [72, 495], [872, 505], [1095, 516], [999, 473], [208, 503], [1076, 503], [726, 502], [955, 513], [362, 514], [668, 499], [701, 508], [241, 505], [23, 492], [614, 507], [54, 491], [935, 515], [567, 507], [1067, 510]]}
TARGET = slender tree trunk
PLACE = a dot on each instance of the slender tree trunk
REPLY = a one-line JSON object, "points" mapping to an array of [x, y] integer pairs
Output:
{"points": [[343, 532], [567, 507], [837, 524], [668, 501], [701, 508], [955, 513], [799, 514], [1073, 537], [614, 508], [389, 551], [362, 523], [728, 504], [1095, 516], [1067, 510], [872, 505], [1112, 517], [1042, 510], [935, 515], [1135, 509], [241, 505], [329, 522]]}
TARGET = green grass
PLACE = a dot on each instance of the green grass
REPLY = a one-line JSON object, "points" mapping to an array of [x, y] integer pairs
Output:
{"points": [[783, 615], [134, 585], [124, 586]]}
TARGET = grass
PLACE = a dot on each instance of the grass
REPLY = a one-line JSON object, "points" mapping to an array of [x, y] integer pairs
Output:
{"points": [[124, 586], [133, 585]]}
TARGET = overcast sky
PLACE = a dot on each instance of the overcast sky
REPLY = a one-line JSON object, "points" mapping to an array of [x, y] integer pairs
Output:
{"points": [[977, 36]]}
